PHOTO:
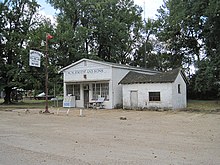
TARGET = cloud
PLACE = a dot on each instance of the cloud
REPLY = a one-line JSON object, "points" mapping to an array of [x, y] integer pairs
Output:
{"points": [[49, 16], [47, 11]]}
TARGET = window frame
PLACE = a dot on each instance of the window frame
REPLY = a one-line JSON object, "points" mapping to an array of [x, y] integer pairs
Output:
{"points": [[71, 89], [179, 89], [76, 92], [154, 98], [100, 90]]}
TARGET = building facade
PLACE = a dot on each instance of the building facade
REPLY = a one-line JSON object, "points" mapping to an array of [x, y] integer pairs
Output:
{"points": [[163, 90], [89, 80]]}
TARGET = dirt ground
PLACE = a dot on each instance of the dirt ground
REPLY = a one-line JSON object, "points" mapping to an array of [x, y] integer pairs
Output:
{"points": [[100, 137]]}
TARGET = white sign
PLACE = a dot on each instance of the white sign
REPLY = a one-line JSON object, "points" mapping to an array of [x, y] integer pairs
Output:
{"points": [[34, 58], [88, 71]]}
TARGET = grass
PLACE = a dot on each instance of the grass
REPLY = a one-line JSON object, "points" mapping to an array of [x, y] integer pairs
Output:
{"points": [[203, 105], [27, 104], [193, 105]]}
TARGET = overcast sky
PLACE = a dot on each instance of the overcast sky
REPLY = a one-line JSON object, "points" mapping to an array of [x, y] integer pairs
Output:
{"points": [[151, 7]]}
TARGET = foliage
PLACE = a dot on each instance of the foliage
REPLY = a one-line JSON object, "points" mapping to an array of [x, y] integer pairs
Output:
{"points": [[190, 32], [17, 18], [204, 85], [107, 30], [186, 34], [22, 29], [36, 76]]}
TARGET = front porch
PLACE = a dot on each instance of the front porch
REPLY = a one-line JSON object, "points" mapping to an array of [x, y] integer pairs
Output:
{"points": [[88, 94]]}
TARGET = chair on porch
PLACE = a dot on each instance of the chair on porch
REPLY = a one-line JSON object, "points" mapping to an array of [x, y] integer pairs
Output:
{"points": [[99, 102], [95, 104]]}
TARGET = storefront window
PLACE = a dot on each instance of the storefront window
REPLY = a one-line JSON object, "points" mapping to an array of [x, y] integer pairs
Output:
{"points": [[73, 90], [69, 89], [77, 91], [100, 90]]}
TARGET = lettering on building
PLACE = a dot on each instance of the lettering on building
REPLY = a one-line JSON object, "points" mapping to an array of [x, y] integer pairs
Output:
{"points": [[86, 71]]}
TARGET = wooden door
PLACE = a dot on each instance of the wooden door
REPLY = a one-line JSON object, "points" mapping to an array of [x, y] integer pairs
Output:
{"points": [[134, 99], [86, 98]]}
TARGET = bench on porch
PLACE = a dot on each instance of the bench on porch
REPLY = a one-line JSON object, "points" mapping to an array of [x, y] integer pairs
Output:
{"points": [[95, 104]]}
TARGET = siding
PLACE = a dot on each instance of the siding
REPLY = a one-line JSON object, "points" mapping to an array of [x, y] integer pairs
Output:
{"points": [[179, 99], [92, 71], [169, 96], [117, 75], [143, 90]]}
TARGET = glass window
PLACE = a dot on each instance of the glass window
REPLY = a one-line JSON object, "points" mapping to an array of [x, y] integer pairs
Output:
{"points": [[77, 91], [73, 90], [154, 96], [100, 90], [179, 91], [69, 89]]}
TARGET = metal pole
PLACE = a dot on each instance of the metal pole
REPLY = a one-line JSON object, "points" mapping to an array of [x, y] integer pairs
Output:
{"points": [[144, 40], [46, 77]]}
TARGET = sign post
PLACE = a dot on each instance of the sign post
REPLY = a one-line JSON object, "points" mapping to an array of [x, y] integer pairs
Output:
{"points": [[34, 60], [48, 37]]}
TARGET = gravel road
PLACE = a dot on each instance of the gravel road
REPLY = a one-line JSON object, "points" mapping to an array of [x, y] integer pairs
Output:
{"points": [[100, 137]]}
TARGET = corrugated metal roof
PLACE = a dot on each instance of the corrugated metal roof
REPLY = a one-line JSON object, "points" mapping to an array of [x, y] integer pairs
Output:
{"points": [[165, 77]]}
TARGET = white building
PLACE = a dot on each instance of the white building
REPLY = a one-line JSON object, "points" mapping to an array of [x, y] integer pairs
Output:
{"points": [[89, 80], [163, 90]]}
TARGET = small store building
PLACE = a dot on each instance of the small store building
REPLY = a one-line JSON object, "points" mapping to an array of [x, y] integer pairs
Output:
{"points": [[89, 80], [165, 90]]}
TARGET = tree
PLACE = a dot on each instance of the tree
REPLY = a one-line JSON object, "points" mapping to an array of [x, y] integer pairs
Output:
{"points": [[36, 76], [107, 30], [17, 19], [204, 89], [190, 32]]}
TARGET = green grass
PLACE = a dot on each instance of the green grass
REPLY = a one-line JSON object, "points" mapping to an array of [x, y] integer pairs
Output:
{"points": [[193, 105], [26, 104], [203, 105]]}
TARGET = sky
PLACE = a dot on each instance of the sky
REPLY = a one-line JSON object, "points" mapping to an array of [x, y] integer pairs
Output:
{"points": [[151, 7]]}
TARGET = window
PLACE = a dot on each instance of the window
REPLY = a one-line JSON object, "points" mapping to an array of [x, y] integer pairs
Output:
{"points": [[154, 96], [100, 90], [179, 91], [69, 89], [77, 91], [73, 90]]}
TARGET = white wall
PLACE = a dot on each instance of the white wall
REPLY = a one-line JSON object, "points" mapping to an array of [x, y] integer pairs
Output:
{"points": [[88, 72], [92, 71], [179, 99], [117, 75], [165, 90]]}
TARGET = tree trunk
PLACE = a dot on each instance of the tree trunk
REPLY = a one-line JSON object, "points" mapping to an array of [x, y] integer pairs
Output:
{"points": [[7, 98]]}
